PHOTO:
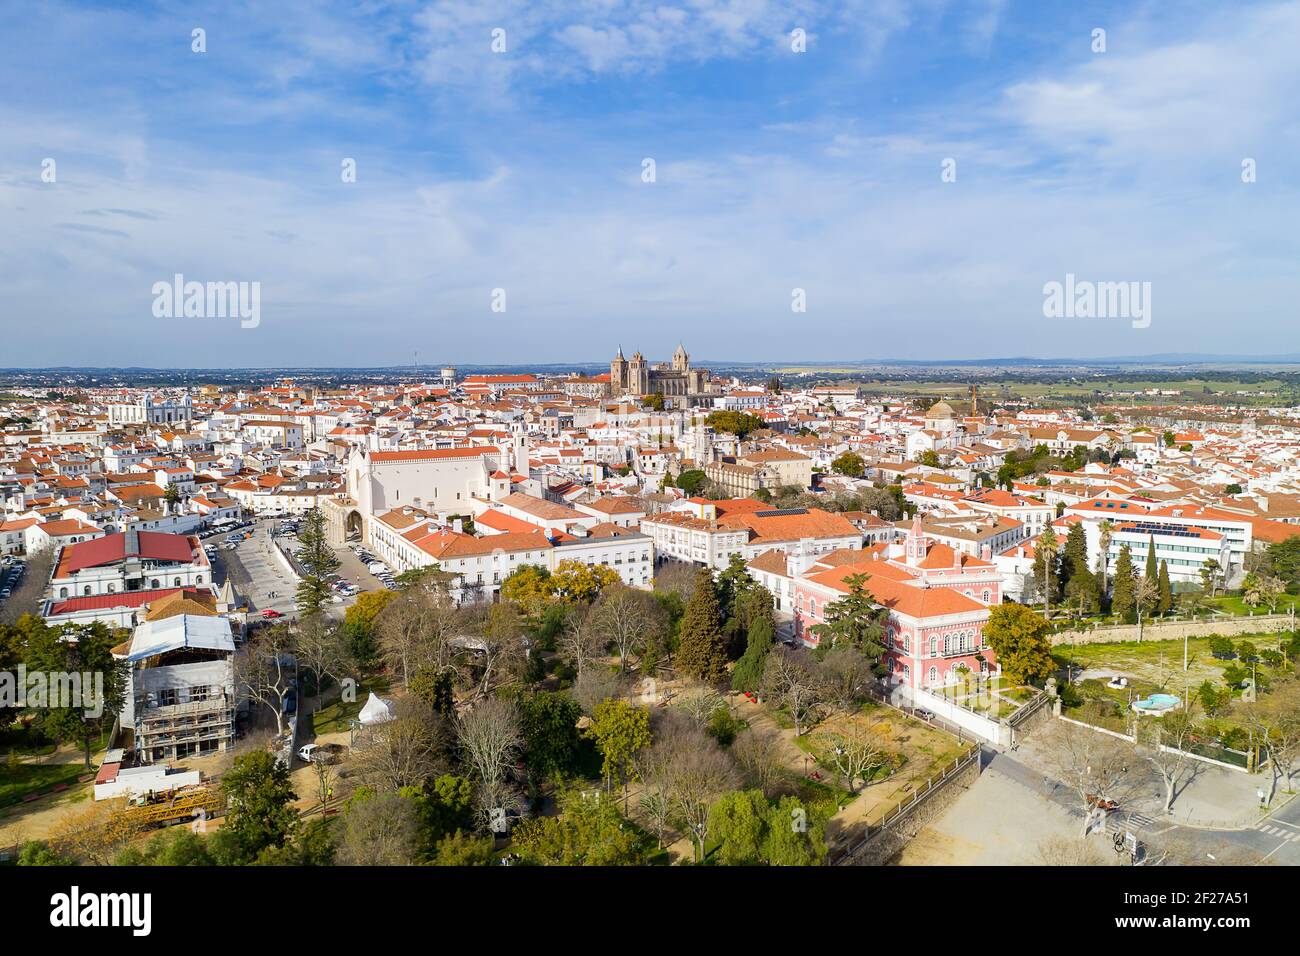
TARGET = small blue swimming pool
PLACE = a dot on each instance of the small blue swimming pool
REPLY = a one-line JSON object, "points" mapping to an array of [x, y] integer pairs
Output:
{"points": [[1157, 704]]}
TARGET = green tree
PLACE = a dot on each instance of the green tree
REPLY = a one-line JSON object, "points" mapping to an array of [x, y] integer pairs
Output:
{"points": [[733, 582], [1214, 700], [462, 849], [1074, 556], [529, 586], [436, 687], [589, 831], [359, 627], [552, 741], [1124, 597], [795, 835], [738, 821], [739, 424], [621, 731], [690, 481], [175, 847], [1165, 600], [701, 646], [39, 853], [445, 805], [259, 802], [748, 672], [850, 464], [86, 652], [855, 620], [1045, 568], [317, 560], [574, 581], [1018, 636]]}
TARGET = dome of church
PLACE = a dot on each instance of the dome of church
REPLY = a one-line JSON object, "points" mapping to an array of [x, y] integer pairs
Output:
{"points": [[940, 410]]}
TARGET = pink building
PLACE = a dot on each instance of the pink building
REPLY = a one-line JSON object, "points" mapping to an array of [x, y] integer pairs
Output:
{"points": [[938, 600]]}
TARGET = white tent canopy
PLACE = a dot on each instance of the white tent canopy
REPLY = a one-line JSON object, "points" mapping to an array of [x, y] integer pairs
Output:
{"points": [[376, 711]]}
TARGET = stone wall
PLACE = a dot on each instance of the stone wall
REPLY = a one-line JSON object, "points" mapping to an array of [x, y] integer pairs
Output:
{"points": [[1177, 630]]}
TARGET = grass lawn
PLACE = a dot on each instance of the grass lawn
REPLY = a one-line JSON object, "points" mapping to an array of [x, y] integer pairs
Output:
{"points": [[17, 782], [1150, 666], [1156, 662], [1233, 604], [333, 718]]}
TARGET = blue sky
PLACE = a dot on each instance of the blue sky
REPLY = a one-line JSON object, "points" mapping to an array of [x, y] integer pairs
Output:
{"points": [[521, 171]]}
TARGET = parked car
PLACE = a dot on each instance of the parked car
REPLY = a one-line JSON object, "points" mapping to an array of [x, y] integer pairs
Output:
{"points": [[271, 612], [329, 753]]}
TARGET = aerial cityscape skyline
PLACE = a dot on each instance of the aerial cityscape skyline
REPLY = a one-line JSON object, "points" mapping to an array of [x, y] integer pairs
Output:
{"points": [[441, 436]]}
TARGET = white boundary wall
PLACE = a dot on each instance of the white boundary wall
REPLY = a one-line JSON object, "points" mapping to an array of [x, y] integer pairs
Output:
{"points": [[982, 727]]}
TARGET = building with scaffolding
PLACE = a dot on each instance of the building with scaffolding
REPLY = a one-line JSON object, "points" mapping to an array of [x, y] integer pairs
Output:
{"points": [[180, 698]]}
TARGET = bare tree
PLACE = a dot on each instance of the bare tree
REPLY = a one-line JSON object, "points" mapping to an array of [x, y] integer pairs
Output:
{"points": [[95, 834], [700, 704], [1275, 723], [698, 773], [581, 642], [1092, 764], [1059, 851], [381, 830], [677, 577], [419, 628], [626, 618], [497, 644], [405, 751], [1145, 594], [791, 679], [322, 765], [759, 757], [320, 646], [1163, 743], [491, 739], [594, 685], [658, 810], [264, 670], [853, 751], [846, 673]]}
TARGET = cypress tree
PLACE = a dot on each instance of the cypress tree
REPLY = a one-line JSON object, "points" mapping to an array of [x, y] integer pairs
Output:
{"points": [[1123, 599], [702, 648], [748, 673], [1166, 599], [1075, 554], [1149, 572]]}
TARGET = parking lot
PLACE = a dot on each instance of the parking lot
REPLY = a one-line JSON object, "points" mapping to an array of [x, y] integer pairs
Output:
{"points": [[260, 576], [11, 575], [354, 569]]}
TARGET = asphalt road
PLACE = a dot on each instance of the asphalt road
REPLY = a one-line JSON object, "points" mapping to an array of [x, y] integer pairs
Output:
{"points": [[1275, 840]]}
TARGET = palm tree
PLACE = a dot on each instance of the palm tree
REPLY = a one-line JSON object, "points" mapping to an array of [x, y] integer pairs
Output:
{"points": [[1105, 530]]}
